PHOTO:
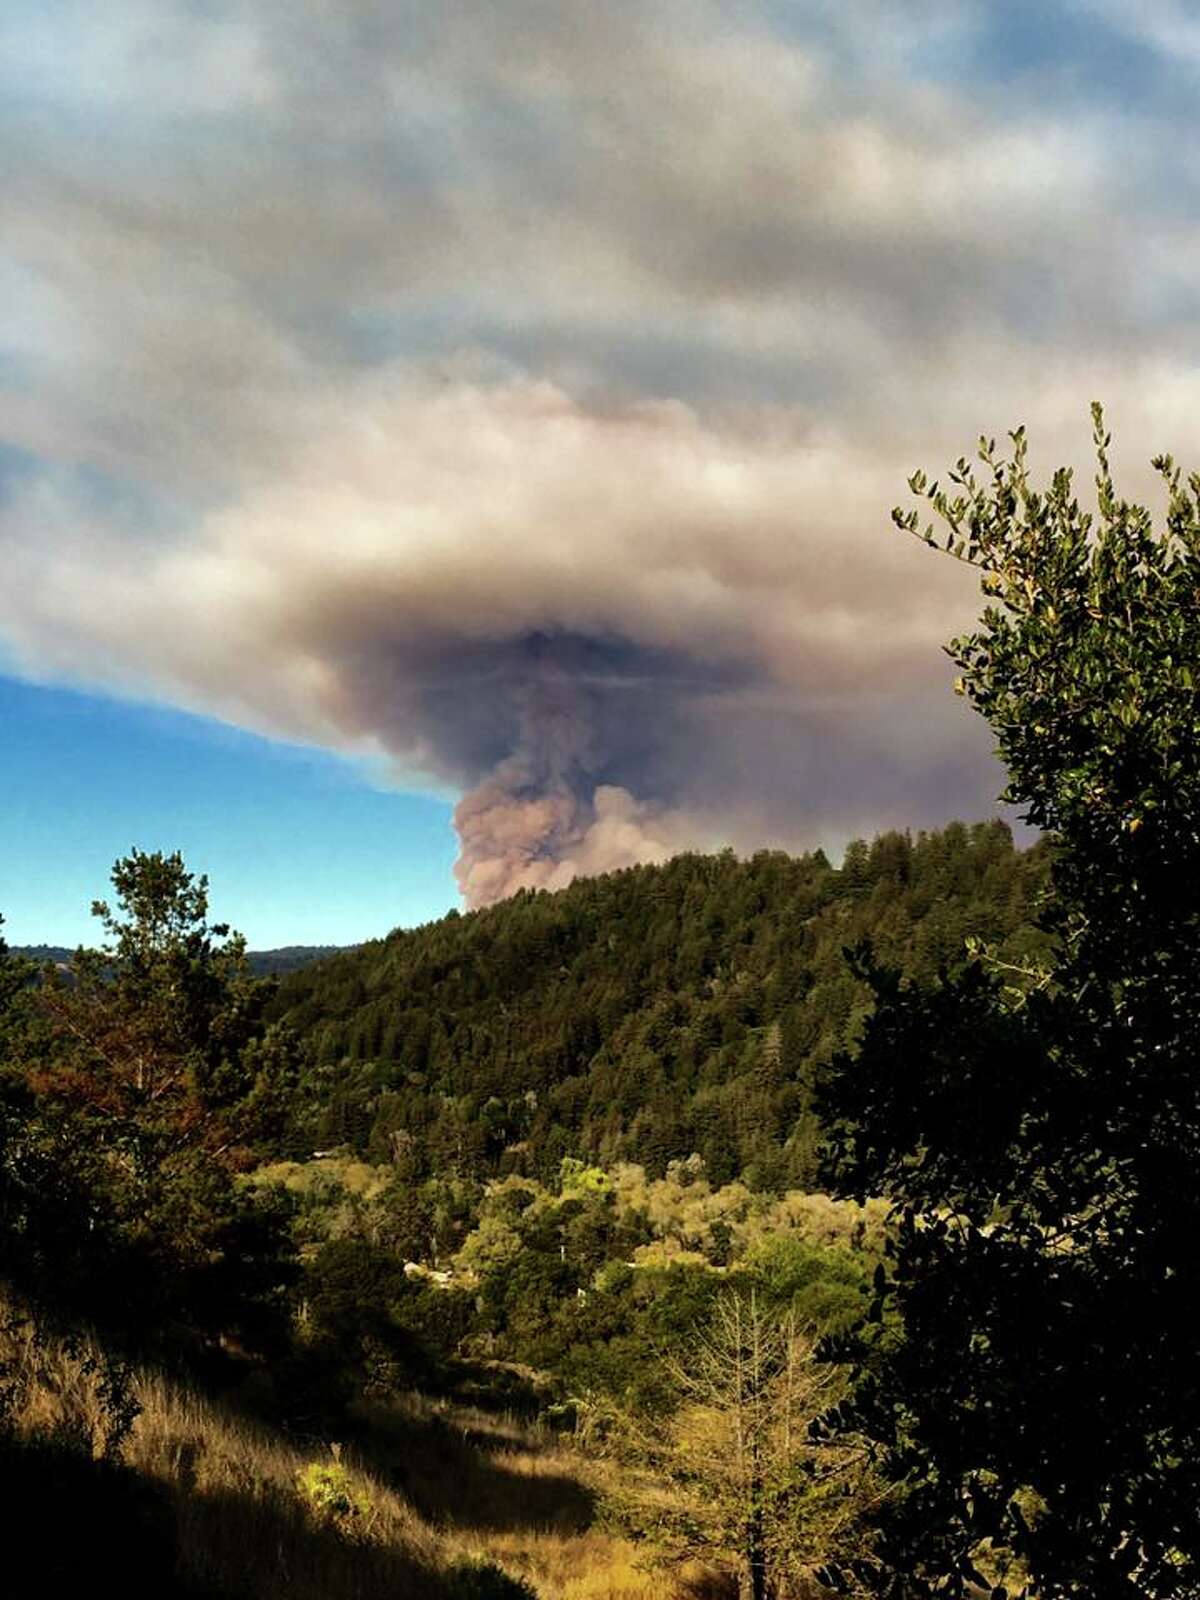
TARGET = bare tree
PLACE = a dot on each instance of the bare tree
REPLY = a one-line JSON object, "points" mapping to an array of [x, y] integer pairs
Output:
{"points": [[740, 1481]]}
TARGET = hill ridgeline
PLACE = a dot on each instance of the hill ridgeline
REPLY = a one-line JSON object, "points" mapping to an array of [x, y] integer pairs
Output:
{"points": [[640, 1016]]}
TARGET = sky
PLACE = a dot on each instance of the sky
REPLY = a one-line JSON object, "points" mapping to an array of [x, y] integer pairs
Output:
{"points": [[448, 449]]}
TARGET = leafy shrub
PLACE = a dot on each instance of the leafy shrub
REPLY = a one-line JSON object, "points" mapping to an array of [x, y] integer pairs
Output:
{"points": [[328, 1488], [826, 1288], [479, 1579]]}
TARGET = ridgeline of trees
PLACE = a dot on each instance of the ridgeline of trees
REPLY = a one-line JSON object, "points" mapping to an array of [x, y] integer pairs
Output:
{"points": [[262, 963], [642, 1016]]}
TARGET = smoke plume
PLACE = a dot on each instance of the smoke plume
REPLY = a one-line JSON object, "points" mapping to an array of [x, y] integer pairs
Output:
{"points": [[512, 395], [609, 630], [540, 818]]}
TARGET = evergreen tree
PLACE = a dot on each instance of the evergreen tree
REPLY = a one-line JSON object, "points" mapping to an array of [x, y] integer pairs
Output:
{"points": [[147, 1080], [750, 1488]]}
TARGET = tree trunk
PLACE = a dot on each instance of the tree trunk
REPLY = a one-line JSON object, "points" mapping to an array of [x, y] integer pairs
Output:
{"points": [[756, 1550]]}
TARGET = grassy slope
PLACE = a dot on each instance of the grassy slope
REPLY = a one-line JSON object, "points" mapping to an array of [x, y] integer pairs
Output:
{"points": [[437, 1489]]}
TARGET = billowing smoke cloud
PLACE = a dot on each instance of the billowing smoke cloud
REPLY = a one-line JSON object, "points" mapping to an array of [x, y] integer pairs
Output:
{"points": [[513, 394], [611, 629], [534, 823], [519, 836]]}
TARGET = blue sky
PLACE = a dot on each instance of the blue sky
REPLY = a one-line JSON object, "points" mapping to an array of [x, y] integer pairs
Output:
{"points": [[489, 413], [299, 847]]}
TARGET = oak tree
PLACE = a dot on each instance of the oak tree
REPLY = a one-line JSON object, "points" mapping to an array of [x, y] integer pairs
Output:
{"points": [[1032, 1371]]}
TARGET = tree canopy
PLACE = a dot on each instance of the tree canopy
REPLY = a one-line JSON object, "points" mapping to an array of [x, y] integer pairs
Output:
{"points": [[1037, 1124], [644, 1015], [133, 1089]]}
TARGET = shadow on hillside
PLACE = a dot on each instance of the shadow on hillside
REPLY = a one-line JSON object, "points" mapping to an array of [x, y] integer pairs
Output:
{"points": [[74, 1527], [244, 1547], [479, 1477], [71, 1524]]}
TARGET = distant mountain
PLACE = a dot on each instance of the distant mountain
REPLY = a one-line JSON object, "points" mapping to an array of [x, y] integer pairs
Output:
{"points": [[58, 954], [291, 957], [641, 1015], [265, 963]]}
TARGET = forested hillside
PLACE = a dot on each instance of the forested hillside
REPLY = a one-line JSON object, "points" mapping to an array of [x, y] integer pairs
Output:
{"points": [[641, 1016]]}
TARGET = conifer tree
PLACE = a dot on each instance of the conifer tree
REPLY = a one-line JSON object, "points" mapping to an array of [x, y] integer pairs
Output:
{"points": [[152, 1069], [746, 1485]]}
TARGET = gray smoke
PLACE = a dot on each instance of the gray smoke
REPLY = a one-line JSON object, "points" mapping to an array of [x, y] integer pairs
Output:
{"points": [[541, 817], [614, 632], [513, 395]]}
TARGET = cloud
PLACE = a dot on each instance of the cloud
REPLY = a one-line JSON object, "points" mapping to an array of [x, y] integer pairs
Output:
{"points": [[1166, 26], [515, 393], [500, 590]]}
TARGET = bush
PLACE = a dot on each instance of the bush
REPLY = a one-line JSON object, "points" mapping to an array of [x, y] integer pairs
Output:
{"points": [[479, 1579], [329, 1489]]}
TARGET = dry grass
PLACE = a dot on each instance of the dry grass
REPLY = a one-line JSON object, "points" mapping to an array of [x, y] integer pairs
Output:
{"points": [[599, 1566], [523, 1495], [241, 1524], [433, 1486]]}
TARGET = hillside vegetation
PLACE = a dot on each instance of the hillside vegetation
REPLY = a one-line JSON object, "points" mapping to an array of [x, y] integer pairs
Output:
{"points": [[202, 1502], [548, 1160], [642, 1016]]}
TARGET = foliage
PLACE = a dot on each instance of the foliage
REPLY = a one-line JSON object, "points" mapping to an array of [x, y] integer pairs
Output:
{"points": [[642, 1016], [330, 1489], [132, 1090], [357, 1310], [577, 1178], [161, 1028], [477, 1578], [826, 1288], [579, 1290], [1037, 1124]]}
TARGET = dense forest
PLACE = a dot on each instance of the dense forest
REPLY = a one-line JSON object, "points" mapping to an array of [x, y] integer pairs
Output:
{"points": [[642, 1016]]}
